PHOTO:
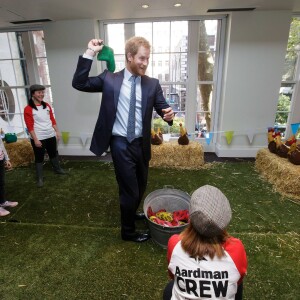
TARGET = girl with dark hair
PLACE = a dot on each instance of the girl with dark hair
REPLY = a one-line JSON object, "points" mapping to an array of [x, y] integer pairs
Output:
{"points": [[205, 262], [43, 131]]}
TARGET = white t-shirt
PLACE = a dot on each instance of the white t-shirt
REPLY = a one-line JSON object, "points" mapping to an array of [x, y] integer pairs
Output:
{"points": [[206, 278], [40, 120]]}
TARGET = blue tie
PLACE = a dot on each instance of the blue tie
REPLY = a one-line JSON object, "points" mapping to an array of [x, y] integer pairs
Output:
{"points": [[131, 114]]}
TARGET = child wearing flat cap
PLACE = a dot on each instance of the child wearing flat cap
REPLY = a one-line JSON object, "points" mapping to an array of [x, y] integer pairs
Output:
{"points": [[204, 261]]}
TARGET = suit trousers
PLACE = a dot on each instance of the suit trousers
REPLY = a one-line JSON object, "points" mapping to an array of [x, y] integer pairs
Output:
{"points": [[131, 171]]}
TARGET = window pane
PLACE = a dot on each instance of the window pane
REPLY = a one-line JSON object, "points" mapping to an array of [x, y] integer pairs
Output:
{"points": [[161, 37], [206, 61], [160, 67], [204, 101], [179, 67], [145, 30], [9, 46], [283, 110], [120, 62], [164, 64], [290, 65], [179, 34], [179, 118], [21, 97], [39, 43], [287, 89], [200, 126], [208, 35], [150, 67], [12, 71], [176, 98], [175, 95], [7, 103], [15, 125], [43, 71], [115, 38], [12, 103], [158, 122], [48, 96]]}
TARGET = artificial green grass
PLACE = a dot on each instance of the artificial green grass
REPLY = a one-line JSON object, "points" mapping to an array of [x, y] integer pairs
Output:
{"points": [[63, 240]]}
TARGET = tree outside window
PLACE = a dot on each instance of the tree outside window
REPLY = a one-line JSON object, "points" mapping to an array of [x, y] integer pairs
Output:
{"points": [[289, 76]]}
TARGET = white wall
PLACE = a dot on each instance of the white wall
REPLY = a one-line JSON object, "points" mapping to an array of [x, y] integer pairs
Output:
{"points": [[75, 112], [255, 52]]}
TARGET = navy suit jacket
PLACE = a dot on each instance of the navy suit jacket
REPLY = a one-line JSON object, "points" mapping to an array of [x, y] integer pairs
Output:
{"points": [[109, 84]]}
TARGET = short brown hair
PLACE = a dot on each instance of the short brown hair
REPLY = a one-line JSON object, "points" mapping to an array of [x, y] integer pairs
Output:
{"points": [[134, 43], [197, 245]]}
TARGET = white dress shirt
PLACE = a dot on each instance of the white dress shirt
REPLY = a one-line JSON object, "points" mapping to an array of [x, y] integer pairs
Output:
{"points": [[120, 125]]}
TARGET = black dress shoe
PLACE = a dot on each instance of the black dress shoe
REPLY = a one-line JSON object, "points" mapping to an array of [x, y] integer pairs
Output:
{"points": [[136, 237], [140, 216]]}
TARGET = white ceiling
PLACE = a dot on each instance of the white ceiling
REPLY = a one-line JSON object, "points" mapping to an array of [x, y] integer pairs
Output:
{"points": [[23, 10]]}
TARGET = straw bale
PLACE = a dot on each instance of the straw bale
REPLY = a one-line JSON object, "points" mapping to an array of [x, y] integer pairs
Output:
{"points": [[284, 175], [173, 155], [20, 153]]}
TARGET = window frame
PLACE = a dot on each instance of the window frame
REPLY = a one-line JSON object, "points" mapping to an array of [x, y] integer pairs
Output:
{"points": [[31, 75], [192, 64]]}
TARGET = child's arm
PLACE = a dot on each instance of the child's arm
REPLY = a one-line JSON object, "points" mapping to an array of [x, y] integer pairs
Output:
{"points": [[6, 158], [2, 147], [57, 132]]}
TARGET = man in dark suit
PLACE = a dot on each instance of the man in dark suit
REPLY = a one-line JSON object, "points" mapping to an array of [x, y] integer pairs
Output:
{"points": [[130, 155]]}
